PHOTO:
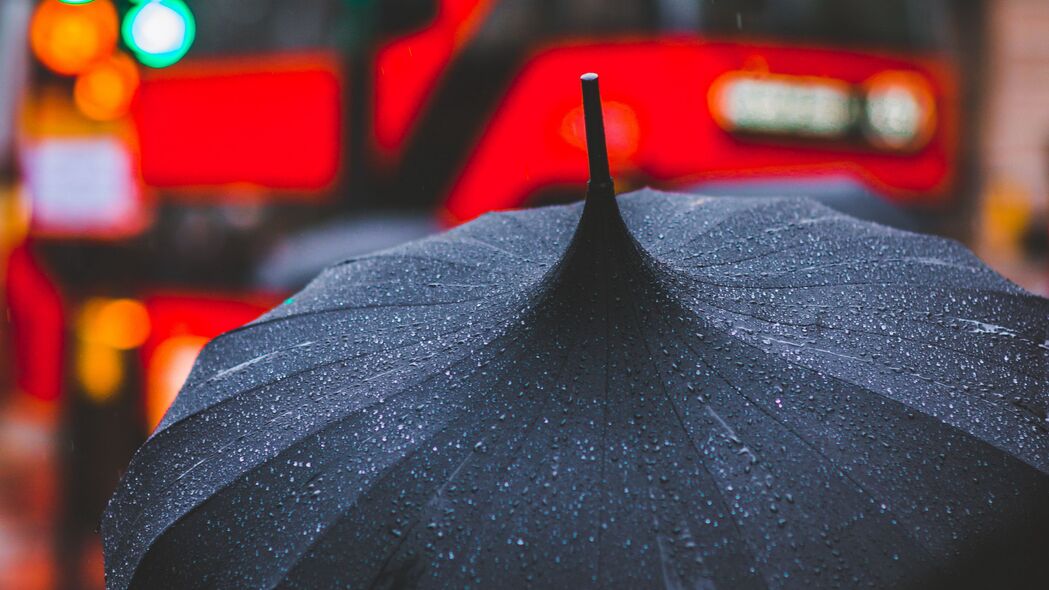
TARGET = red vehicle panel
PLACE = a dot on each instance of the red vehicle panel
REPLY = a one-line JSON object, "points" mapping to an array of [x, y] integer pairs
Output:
{"points": [[661, 128], [204, 125]]}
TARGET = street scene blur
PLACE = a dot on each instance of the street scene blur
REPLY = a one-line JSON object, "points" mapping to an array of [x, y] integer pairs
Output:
{"points": [[171, 169]]}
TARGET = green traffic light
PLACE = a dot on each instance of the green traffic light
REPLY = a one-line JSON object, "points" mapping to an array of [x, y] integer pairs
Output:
{"points": [[159, 32]]}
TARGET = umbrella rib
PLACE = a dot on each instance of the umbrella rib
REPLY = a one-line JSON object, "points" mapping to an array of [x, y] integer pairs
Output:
{"points": [[875, 333], [692, 443], [726, 245], [386, 473], [749, 206], [281, 378], [283, 318], [782, 424], [860, 387], [229, 400], [327, 426], [883, 263], [331, 424], [814, 286], [1022, 413], [391, 255], [222, 373], [851, 240], [385, 330], [841, 471], [1020, 332], [846, 241], [605, 282], [405, 536], [497, 249], [524, 228], [511, 455]]}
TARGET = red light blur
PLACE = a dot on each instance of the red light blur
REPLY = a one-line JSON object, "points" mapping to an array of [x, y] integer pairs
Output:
{"points": [[275, 123], [37, 332], [181, 322], [665, 83], [408, 68], [192, 314]]}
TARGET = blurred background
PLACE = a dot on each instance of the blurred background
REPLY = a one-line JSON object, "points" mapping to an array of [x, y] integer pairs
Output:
{"points": [[170, 169]]}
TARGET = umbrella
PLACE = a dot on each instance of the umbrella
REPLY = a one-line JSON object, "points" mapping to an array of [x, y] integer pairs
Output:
{"points": [[655, 390]]}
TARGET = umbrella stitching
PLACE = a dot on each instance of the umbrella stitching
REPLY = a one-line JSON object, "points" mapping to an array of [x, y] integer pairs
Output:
{"points": [[381, 477], [739, 392], [242, 437]]}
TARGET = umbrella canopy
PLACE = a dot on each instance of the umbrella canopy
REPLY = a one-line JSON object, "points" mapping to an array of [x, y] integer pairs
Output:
{"points": [[653, 390]]}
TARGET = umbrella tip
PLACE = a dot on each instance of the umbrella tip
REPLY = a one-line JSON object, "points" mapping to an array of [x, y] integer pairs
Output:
{"points": [[597, 152]]}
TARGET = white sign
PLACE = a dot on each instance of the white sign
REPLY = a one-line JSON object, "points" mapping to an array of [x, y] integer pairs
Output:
{"points": [[81, 186]]}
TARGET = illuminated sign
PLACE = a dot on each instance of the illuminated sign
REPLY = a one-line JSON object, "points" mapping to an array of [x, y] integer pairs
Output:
{"points": [[793, 105], [83, 186], [892, 110]]}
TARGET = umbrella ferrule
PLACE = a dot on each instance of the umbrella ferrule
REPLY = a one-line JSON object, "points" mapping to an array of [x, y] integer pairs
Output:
{"points": [[596, 150]]}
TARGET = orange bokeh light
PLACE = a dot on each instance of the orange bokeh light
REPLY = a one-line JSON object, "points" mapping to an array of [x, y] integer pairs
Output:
{"points": [[122, 324], [168, 369], [68, 38], [622, 131], [104, 91]]}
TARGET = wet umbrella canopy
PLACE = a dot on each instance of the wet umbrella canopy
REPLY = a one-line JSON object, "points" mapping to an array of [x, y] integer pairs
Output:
{"points": [[660, 390]]}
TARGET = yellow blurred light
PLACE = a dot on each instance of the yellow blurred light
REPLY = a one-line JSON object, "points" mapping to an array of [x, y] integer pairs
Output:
{"points": [[68, 38], [104, 91], [100, 370], [121, 324], [167, 372]]}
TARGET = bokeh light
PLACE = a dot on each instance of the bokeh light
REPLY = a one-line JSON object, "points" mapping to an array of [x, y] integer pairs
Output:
{"points": [[168, 369], [122, 324], [160, 32], [104, 91], [68, 38], [100, 370]]}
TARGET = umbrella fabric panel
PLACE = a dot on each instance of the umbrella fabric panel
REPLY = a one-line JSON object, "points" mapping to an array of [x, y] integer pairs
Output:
{"points": [[744, 393]]}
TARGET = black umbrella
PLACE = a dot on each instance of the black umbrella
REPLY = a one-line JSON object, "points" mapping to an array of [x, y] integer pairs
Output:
{"points": [[667, 390]]}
